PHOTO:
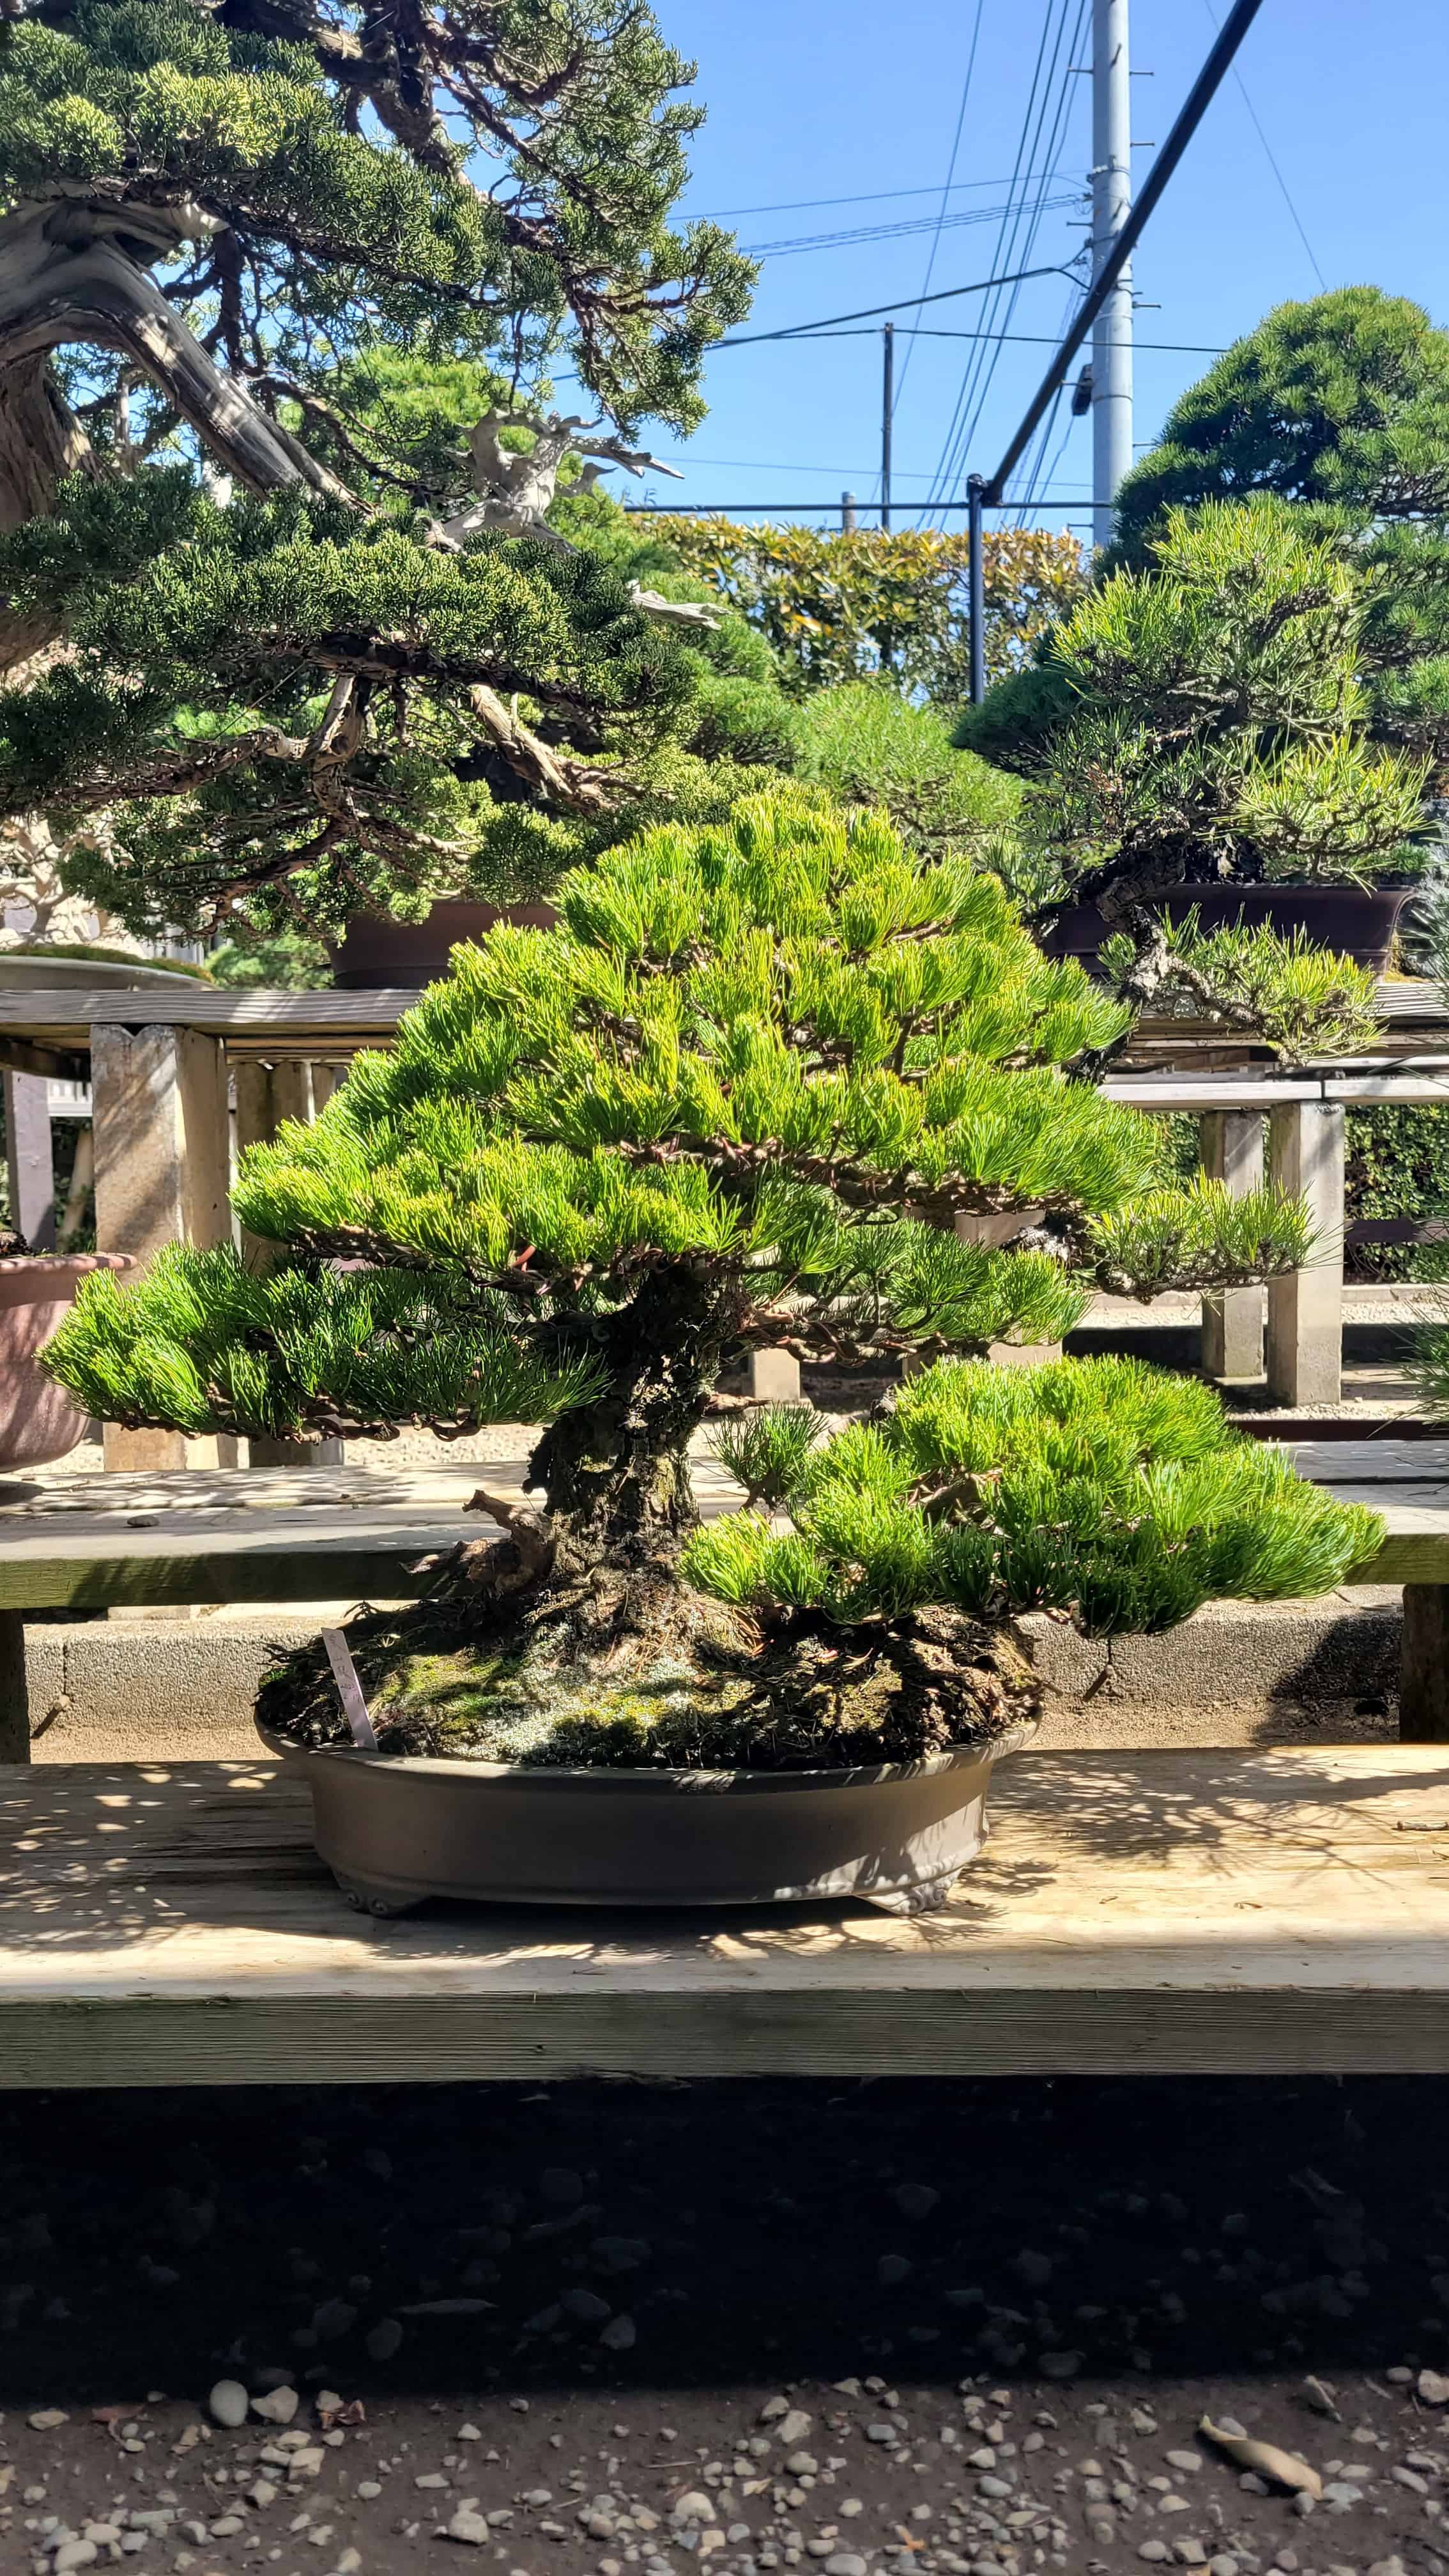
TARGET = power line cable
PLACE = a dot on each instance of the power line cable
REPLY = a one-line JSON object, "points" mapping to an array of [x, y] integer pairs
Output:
{"points": [[1048, 427], [805, 334], [1272, 163], [987, 363], [991, 315], [902, 304], [1054, 103], [908, 224], [867, 197], [945, 191]]}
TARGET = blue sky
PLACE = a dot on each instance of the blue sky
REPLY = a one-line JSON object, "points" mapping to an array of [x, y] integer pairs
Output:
{"points": [[814, 99]]}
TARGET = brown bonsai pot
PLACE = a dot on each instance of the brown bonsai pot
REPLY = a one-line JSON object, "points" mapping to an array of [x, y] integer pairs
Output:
{"points": [[38, 1421], [1354, 921], [377, 953], [396, 1832]]}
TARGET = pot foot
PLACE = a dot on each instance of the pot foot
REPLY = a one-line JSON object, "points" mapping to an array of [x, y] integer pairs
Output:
{"points": [[924, 1898], [377, 1901]]}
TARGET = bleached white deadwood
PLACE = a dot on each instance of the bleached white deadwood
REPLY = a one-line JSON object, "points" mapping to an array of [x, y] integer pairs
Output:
{"points": [[516, 489]]}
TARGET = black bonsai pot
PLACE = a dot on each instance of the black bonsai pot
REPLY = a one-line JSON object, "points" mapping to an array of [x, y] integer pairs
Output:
{"points": [[1354, 921]]}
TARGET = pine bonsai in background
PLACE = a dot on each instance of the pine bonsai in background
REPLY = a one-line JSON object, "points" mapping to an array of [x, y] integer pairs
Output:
{"points": [[746, 1091], [1201, 723]]}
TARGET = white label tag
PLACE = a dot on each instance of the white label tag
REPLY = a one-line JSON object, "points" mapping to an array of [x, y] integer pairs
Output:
{"points": [[349, 1690]]}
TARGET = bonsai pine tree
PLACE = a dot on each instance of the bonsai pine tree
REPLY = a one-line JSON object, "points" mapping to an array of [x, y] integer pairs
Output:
{"points": [[1340, 405], [747, 1090], [1199, 723], [319, 637]]}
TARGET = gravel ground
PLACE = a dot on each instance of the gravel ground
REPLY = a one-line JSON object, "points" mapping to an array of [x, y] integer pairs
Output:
{"points": [[880, 2328]]}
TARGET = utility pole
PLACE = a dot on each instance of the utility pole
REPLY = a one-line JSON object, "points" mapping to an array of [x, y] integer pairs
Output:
{"points": [[887, 406], [976, 585], [847, 512], [1111, 205], [1185, 124]]}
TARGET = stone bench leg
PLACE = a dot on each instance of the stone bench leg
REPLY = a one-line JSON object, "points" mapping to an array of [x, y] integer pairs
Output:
{"points": [[1305, 1310], [1424, 1686], [1232, 1321], [159, 1113], [29, 1159], [14, 1694], [266, 1094]]}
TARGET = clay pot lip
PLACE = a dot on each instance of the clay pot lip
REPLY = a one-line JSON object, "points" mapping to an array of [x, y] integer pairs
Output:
{"points": [[47, 1278], [618, 1780]]}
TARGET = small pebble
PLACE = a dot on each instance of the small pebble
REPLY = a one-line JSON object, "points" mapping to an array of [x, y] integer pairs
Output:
{"points": [[915, 2199], [384, 2339], [228, 2404], [276, 2405], [619, 2335]]}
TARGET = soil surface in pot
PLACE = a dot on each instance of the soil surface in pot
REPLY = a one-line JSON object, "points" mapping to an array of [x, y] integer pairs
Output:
{"points": [[640, 1671], [997, 2312]]}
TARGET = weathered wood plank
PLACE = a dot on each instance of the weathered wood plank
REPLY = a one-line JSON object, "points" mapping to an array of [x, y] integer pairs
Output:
{"points": [[298, 1535], [1189, 1911]]}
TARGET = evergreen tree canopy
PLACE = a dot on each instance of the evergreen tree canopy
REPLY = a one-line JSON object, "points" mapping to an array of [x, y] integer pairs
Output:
{"points": [[1341, 405], [1341, 400], [744, 1092], [1204, 721], [247, 228]]}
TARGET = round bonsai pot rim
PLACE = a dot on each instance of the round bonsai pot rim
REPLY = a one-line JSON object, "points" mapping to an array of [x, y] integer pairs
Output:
{"points": [[51, 1278], [592, 1837], [615, 1777]]}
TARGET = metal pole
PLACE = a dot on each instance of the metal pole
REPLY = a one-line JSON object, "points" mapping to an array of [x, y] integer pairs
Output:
{"points": [[1234, 28], [887, 406], [1111, 205], [847, 512], [976, 586]]}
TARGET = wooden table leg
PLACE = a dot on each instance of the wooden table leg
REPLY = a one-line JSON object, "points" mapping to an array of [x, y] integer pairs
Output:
{"points": [[14, 1697], [1424, 1688]]}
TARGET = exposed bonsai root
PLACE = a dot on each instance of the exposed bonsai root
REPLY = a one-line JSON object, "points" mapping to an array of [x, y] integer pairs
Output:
{"points": [[634, 1669]]}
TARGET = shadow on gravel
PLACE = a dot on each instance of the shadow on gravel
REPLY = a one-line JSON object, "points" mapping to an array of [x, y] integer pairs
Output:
{"points": [[924, 2229]]}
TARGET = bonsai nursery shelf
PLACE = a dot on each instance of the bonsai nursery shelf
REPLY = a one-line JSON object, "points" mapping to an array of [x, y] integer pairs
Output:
{"points": [[1134, 1913]]}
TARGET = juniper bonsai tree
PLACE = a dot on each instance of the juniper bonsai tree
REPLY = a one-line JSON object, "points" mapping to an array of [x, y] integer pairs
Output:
{"points": [[748, 1089], [319, 637]]}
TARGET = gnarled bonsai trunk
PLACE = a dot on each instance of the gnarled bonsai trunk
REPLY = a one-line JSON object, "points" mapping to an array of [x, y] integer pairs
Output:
{"points": [[65, 278], [616, 1472]]}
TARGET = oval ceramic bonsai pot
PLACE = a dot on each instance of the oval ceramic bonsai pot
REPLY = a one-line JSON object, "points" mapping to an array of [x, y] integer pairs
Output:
{"points": [[38, 1421], [1360, 922], [396, 1832]]}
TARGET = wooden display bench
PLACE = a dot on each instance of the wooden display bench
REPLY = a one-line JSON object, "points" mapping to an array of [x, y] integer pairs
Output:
{"points": [[1135, 1913], [1143, 1913]]}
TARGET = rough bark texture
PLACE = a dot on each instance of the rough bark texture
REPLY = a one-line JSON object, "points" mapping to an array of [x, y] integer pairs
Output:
{"points": [[616, 1472], [65, 280]]}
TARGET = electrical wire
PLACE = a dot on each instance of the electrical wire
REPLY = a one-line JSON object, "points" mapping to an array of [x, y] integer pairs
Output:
{"points": [[946, 190], [1272, 163], [805, 333], [1049, 100], [982, 367], [901, 304], [887, 232], [1028, 500], [991, 315], [987, 370], [869, 197]]}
